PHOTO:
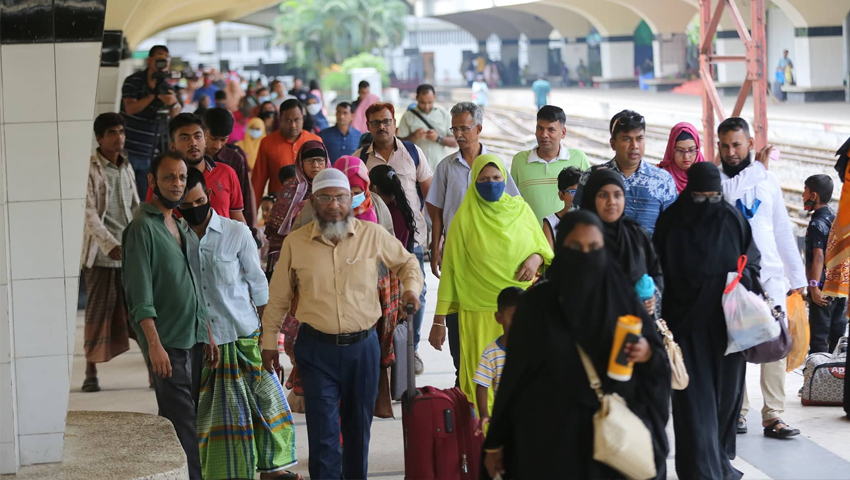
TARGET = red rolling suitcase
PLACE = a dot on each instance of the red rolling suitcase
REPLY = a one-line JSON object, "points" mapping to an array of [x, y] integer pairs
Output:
{"points": [[439, 431]]}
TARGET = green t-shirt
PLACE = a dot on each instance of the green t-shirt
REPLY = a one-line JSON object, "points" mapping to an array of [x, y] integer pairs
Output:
{"points": [[537, 180], [159, 284]]}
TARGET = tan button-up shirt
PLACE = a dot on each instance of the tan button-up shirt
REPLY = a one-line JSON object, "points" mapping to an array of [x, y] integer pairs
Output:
{"points": [[337, 285]]}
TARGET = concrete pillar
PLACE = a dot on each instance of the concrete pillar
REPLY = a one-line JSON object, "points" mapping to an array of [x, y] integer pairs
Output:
{"points": [[618, 56], [510, 50], [538, 56], [669, 52], [49, 74], [729, 43], [573, 50], [818, 53], [113, 70], [482, 47]]}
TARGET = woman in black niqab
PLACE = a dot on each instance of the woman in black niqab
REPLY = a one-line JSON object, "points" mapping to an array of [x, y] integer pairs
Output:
{"points": [[542, 420], [699, 243], [628, 243]]}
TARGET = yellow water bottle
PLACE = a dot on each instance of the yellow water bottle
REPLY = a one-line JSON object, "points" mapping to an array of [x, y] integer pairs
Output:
{"points": [[627, 331]]}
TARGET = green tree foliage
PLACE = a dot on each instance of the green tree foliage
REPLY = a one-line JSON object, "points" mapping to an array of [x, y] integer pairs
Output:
{"points": [[320, 33], [338, 78]]}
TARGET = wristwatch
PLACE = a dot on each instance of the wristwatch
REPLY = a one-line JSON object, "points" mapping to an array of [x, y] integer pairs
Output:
{"points": [[439, 139], [815, 283]]}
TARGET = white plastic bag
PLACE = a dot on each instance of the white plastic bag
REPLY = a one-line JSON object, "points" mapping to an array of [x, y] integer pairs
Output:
{"points": [[749, 321]]}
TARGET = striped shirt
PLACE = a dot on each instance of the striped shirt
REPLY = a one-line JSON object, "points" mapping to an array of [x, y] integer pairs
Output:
{"points": [[142, 130], [489, 372], [451, 181]]}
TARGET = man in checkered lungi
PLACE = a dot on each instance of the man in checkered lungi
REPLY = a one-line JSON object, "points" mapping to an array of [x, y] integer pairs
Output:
{"points": [[111, 201]]}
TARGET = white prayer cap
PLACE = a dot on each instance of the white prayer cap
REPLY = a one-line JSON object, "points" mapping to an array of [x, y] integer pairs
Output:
{"points": [[329, 178]]}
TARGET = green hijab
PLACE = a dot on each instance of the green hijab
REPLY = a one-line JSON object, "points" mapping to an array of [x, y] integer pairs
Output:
{"points": [[485, 246]]}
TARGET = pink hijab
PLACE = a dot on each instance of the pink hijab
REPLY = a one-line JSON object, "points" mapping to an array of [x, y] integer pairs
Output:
{"points": [[358, 176], [359, 122], [669, 163]]}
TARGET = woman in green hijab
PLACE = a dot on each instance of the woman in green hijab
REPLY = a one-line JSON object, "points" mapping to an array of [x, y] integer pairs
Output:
{"points": [[494, 242]]}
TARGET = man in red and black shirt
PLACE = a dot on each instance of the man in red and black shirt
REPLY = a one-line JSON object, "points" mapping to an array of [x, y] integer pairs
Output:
{"points": [[187, 137], [218, 125]]}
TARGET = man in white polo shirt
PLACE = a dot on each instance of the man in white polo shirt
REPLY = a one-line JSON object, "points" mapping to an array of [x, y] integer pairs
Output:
{"points": [[536, 171]]}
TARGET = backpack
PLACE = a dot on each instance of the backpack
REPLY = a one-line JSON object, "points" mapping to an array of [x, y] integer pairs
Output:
{"points": [[414, 154]]}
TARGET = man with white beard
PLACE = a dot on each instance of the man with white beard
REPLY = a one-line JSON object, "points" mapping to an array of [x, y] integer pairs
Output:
{"points": [[333, 264]]}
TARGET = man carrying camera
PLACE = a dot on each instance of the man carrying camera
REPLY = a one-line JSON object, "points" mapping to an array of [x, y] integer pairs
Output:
{"points": [[148, 101]]}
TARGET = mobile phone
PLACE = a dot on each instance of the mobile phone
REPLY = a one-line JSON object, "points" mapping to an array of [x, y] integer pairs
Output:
{"points": [[774, 154]]}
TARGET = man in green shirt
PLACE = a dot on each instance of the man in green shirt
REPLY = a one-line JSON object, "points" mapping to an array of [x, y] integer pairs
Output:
{"points": [[164, 303], [536, 171]]}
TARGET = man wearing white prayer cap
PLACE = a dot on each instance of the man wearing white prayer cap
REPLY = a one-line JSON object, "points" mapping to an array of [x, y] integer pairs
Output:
{"points": [[333, 264]]}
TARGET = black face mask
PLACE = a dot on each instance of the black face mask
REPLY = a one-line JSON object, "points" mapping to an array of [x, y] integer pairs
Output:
{"points": [[576, 271], [169, 204], [732, 170], [195, 215]]}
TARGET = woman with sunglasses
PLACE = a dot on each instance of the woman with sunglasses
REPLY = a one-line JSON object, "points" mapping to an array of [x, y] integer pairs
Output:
{"points": [[567, 186], [628, 244], [683, 151]]}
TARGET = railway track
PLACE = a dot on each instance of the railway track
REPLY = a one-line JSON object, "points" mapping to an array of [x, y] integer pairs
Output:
{"points": [[508, 130]]}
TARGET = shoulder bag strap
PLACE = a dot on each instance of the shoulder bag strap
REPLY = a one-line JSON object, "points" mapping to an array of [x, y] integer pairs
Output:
{"points": [[595, 383], [422, 118]]}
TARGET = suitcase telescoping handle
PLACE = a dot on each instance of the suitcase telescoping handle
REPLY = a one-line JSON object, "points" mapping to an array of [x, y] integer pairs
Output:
{"points": [[411, 367]]}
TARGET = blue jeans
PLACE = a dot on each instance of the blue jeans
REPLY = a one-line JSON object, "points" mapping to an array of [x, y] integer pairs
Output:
{"points": [[420, 315], [340, 389]]}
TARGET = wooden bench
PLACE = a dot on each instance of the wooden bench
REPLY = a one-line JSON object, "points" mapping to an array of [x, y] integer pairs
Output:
{"points": [[611, 83], [663, 84], [797, 94]]}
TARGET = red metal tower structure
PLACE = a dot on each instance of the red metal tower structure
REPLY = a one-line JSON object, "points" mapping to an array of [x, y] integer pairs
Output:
{"points": [[755, 58]]}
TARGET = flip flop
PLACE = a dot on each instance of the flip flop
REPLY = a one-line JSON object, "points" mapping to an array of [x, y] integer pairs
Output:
{"points": [[287, 475], [783, 432], [91, 385], [742, 424]]}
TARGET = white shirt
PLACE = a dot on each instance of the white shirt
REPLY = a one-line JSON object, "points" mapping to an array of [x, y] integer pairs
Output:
{"points": [[226, 265], [772, 229]]}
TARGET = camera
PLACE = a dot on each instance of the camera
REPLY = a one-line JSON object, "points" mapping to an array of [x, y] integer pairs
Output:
{"points": [[160, 75]]}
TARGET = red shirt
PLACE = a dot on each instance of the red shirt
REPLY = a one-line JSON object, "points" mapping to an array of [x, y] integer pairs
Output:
{"points": [[226, 192]]}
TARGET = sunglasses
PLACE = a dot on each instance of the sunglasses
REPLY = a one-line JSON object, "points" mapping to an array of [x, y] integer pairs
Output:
{"points": [[703, 199], [626, 119]]}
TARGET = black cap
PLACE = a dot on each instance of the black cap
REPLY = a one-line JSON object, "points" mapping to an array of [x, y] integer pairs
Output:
{"points": [[704, 177]]}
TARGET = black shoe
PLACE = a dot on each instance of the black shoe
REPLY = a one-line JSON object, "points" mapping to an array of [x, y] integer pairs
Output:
{"points": [[742, 424], [781, 430]]}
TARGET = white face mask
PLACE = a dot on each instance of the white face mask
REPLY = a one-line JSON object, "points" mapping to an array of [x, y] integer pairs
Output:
{"points": [[255, 133], [314, 108]]}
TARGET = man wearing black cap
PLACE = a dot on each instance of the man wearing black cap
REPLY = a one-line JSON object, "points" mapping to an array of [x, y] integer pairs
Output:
{"points": [[218, 125]]}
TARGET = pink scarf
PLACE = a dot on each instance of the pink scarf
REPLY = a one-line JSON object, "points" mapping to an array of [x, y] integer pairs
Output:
{"points": [[669, 163], [358, 176], [359, 121]]}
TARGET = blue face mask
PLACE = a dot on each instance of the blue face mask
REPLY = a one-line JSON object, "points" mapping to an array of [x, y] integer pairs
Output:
{"points": [[490, 191], [358, 199], [264, 99]]}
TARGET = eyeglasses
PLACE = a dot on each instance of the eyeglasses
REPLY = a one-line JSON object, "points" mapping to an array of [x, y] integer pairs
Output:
{"points": [[327, 199], [690, 153], [703, 198], [387, 122], [571, 191], [313, 160], [626, 119], [461, 130]]}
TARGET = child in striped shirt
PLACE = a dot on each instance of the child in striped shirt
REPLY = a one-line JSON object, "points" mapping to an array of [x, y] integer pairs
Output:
{"points": [[492, 362]]}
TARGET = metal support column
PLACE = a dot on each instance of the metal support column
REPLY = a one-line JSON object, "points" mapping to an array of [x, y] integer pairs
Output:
{"points": [[755, 58]]}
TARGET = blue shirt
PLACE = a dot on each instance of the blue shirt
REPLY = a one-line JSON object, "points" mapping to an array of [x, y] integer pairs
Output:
{"points": [[226, 264], [208, 91], [541, 90], [339, 144], [649, 191]]}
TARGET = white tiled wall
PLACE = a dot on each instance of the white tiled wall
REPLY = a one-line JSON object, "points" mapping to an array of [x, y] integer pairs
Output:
{"points": [[45, 146]]}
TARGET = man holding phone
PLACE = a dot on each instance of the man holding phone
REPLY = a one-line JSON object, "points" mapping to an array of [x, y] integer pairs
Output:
{"points": [[763, 205], [428, 126]]}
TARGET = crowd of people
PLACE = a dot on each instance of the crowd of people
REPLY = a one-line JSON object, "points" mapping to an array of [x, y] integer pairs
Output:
{"points": [[299, 238]]}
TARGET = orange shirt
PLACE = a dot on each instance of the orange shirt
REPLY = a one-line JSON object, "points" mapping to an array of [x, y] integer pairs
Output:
{"points": [[275, 152]]}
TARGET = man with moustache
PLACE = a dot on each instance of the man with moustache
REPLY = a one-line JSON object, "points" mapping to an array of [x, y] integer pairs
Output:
{"points": [[764, 207], [164, 302], [187, 137], [649, 190], [331, 263]]}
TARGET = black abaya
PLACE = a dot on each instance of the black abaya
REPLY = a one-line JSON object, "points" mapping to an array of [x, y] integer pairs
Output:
{"points": [[698, 245], [543, 413]]}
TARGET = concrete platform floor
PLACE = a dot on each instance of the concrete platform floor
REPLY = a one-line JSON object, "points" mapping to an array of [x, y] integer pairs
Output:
{"points": [[821, 452]]}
